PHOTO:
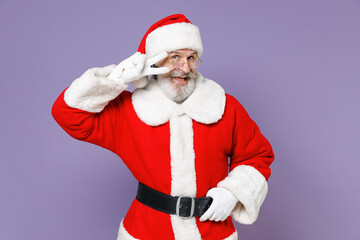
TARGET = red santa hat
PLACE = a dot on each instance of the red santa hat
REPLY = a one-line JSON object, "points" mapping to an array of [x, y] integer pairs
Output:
{"points": [[169, 34]]}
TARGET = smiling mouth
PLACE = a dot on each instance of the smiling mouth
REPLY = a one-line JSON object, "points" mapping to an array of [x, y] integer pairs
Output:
{"points": [[180, 80]]}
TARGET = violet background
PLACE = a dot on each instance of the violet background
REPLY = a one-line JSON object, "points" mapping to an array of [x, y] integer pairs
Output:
{"points": [[294, 65]]}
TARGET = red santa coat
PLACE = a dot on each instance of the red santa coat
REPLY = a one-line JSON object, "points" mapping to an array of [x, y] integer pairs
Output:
{"points": [[178, 149]]}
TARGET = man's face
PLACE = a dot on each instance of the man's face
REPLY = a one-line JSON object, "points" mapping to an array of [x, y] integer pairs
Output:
{"points": [[180, 61], [179, 82]]}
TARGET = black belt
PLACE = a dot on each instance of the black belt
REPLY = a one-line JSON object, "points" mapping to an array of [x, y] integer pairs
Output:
{"points": [[185, 207]]}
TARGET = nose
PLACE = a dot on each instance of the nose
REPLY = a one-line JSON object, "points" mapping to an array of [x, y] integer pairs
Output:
{"points": [[185, 67]]}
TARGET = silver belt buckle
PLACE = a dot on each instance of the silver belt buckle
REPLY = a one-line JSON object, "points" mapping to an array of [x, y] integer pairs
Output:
{"points": [[192, 210]]}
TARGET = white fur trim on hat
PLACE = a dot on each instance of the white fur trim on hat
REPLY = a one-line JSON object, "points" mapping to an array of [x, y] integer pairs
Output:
{"points": [[172, 37]]}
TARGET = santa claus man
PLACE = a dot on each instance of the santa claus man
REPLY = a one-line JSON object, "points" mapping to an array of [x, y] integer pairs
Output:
{"points": [[198, 156]]}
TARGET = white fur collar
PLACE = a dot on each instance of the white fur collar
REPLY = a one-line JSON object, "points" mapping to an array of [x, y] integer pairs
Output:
{"points": [[206, 104]]}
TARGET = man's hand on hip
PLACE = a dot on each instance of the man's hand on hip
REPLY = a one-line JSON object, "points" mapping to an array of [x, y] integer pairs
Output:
{"points": [[222, 205]]}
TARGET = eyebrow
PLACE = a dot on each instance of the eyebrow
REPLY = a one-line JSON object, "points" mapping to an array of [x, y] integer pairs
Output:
{"points": [[194, 52]]}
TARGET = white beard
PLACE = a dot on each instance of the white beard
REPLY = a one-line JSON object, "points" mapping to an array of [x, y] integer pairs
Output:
{"points": [[177, 93]]}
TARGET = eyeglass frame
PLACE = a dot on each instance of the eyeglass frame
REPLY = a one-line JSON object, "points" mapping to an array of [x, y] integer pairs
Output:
{"points": [[197, 59]]}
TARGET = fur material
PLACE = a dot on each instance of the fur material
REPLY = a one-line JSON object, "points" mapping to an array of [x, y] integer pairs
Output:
{"points": [[172, 37], [185, 228], [123, 234], [183, 176], [233, 236], [92, 91], [250, 187], [206, 104]]}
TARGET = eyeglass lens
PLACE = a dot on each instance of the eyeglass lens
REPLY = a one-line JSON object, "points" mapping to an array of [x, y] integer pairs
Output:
{"points": [[192, 64]]}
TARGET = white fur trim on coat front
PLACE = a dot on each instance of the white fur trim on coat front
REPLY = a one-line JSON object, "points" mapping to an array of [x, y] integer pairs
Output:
{"points": [[172, 37], [206, 104], [92, 91], [250, 187], [183, 176]]}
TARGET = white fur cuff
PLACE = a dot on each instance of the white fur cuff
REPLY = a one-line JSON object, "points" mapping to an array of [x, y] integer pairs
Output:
{"points": [[92, 91], [250, 187]]}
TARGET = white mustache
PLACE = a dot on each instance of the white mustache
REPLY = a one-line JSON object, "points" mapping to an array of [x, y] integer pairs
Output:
{"points": [[178, 73]]}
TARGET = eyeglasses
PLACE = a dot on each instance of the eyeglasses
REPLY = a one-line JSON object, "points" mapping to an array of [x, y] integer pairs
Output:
{"points": [[194, 61]]}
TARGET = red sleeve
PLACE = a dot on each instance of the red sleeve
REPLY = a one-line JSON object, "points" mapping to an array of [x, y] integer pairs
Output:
{"points": [[250, 147], [102, 128]]}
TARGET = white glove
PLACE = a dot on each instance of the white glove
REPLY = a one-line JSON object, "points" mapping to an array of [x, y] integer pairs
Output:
{"points": [[136, 68], [222, 205]]}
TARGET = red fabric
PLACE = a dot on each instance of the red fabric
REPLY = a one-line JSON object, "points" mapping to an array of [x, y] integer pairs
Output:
{"points": [[176, 18], [146, 152]]}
